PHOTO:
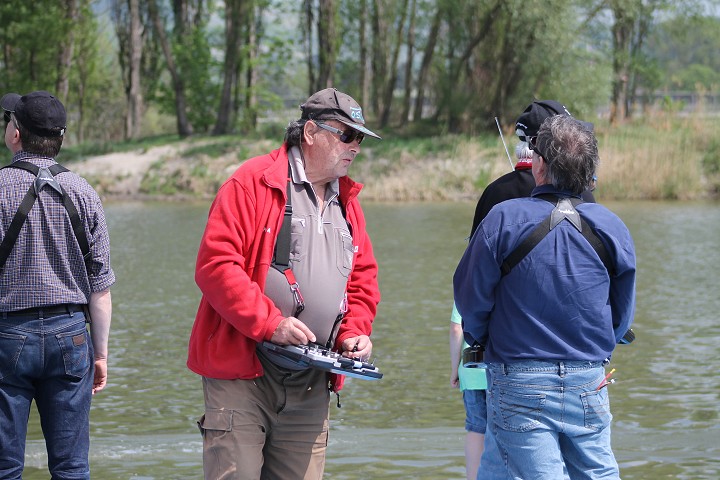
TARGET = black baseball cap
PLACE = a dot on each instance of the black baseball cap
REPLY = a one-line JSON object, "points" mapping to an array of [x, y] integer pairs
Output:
{"points": [[528, 123], [331, 104], [41, 113]]}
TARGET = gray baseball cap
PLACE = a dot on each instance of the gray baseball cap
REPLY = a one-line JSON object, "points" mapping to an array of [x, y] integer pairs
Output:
{"points": [[331, 104]]}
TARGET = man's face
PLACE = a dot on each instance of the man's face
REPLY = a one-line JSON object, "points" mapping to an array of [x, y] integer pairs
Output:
{"points": [[10, 131], [326, 157]]}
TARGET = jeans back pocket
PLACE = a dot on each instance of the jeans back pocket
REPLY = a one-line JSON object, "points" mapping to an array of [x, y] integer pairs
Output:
{"points": [[76, 351], [519, 412], [596, 405], [10, 347]]}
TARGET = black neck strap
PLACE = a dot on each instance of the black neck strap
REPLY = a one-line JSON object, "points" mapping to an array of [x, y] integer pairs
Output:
{"points": [[282, 244], [548, 224], [281, 258]]}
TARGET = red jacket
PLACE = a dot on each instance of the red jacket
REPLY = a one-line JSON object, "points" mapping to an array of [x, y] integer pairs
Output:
{"points": [[232, 265]]}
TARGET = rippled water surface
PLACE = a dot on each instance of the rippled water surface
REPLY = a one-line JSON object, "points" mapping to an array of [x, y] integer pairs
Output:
{"points": [[410, 423]]}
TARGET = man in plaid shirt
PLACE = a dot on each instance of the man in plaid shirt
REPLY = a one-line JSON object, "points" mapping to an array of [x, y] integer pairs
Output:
{"points": [[55, 275]]}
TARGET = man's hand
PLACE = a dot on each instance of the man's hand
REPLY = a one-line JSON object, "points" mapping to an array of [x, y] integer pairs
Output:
{"points": [[292, 331], [357, 347], [100, 379]]}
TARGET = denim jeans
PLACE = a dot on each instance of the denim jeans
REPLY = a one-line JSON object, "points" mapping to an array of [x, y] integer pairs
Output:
{"points": [[49, 360], [547, 420], [475, 411]]}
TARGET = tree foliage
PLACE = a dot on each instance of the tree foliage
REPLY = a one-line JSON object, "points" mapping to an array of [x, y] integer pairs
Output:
{"points": [[222, 66]]}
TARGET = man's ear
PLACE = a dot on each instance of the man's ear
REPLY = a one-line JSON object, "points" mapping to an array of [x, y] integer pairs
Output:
{"points": [[15, 141], [308, 132], [543, 166]]}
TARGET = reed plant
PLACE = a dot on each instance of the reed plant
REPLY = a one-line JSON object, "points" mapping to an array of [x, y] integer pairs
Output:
{"points": [[661, 155], [658, 157]]}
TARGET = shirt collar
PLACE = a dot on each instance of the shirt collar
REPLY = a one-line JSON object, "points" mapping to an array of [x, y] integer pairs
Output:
{"points": [[297, 168], [545, 189]]}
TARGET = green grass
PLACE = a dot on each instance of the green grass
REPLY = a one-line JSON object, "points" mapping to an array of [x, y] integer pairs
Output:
{"points": [[663, 156]]}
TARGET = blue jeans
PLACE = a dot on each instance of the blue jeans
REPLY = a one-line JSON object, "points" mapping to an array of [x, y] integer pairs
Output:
{"points": [[544, 417], [51, 361], [475, 411]]}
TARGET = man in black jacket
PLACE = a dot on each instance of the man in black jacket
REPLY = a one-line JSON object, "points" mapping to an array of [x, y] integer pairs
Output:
{"points": [[520, 182]]}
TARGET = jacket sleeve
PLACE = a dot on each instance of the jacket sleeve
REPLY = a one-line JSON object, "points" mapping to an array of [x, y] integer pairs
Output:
{"points": [[226, 260], [362, 290]]}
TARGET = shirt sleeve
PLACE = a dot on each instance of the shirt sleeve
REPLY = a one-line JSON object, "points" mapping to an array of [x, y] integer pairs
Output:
{"points": [[622, 289], [474, 283], [100, 273]]}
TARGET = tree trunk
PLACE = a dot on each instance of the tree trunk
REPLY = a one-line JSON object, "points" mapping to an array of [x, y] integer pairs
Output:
{"points": [[379, 54], [134, 96], [363, 53], [251, 73], [308, 41], [184, 127], [328, 43], [425, 66], [405, 115], [622, 32], [66, 51], [392, 76], [233, 19]]}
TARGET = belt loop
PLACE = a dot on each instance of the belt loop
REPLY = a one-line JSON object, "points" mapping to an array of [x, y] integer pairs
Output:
{"points": [[561, 369], [503, 366]]}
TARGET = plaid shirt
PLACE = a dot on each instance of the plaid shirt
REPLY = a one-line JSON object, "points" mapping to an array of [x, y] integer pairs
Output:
{"points": [[46, 265]]}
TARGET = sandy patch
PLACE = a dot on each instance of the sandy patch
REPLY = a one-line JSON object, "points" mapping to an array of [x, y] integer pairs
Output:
{"points": [[120, 174]]}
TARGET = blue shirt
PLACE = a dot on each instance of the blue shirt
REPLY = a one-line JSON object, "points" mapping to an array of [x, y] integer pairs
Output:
{"points": [[558, 303]]}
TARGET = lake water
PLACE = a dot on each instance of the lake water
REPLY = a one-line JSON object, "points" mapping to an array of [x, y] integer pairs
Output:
{"points": [[410, 423]]}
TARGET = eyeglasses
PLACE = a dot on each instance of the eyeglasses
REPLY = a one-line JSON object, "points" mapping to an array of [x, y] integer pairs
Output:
{"points": [[347, 136], [531, 142], [7, 117], [532, 145]]}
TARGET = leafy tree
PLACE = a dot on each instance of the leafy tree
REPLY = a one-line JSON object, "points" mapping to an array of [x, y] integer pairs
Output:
{"points": [[31, 39], [95, 98], [686, 51]]}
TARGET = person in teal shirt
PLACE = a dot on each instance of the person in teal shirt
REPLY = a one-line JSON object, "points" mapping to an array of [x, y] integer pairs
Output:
{"points": [[472, 382]]}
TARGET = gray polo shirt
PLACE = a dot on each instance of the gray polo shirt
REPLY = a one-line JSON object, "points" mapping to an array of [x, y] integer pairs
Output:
{"points": [[321, 256]]}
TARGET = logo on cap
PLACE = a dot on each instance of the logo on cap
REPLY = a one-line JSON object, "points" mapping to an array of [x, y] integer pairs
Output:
{"points": [[356, 114]]}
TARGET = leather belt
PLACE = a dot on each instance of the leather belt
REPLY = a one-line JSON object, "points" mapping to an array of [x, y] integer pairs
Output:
{"points": [[45, 312]]}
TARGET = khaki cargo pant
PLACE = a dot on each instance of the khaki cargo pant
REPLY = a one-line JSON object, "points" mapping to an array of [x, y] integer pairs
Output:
{"points": [[272, 427]]}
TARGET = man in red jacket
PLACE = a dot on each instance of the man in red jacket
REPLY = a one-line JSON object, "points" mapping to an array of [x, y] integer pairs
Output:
{"points": [[264, 416]]}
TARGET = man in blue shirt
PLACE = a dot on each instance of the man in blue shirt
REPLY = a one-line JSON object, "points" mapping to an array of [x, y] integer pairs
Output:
{"points": [[549, 322]]}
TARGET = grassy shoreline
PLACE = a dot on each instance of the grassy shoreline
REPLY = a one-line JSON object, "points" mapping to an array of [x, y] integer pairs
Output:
{"points": [[661, 157]]}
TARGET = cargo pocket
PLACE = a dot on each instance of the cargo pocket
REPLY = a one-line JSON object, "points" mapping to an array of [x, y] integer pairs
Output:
{"points": [[10, 347], [597, 409], [75, 348], [216, 421]]}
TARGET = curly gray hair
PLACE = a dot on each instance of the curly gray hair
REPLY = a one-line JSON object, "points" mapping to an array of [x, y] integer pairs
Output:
{"points": [[570, 151]]}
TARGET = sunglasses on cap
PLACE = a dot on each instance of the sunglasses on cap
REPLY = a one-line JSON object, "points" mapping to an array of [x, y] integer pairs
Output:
{"points": [[347, 136]]}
